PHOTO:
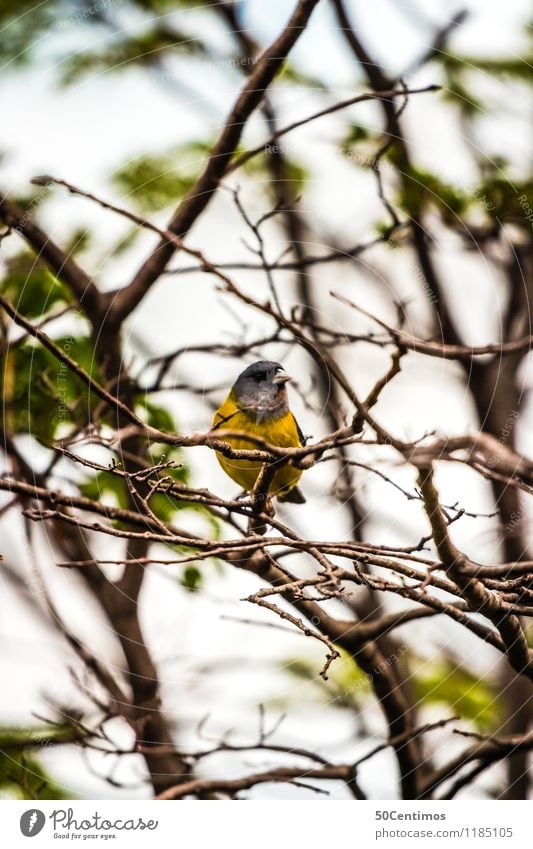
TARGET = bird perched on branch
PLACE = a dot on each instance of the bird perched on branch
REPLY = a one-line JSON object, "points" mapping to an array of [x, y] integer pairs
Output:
{"points": [[258, 404]]}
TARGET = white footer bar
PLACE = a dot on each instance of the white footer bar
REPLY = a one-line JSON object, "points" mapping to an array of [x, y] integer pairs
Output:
{"points": [[267, 825]]}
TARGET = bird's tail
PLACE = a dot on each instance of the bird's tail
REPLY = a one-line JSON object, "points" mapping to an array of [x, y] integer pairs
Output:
{"points": [[293, 496]]}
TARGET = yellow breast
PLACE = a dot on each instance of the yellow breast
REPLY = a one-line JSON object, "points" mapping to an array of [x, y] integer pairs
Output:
{"points": [[282, 431]]}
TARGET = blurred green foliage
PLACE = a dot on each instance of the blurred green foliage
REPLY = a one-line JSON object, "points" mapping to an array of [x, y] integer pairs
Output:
{"points": [[154, 181], [41, 395], [422, 188], [146, 49], [21, 774], [355, 134], [498, 197], [466, 694], [31, 287], [28, 26], [518, 66], [164, 505], [43, 398], [290, 74], [459, 71], [434, 681], [22, 23], [346, 686]]}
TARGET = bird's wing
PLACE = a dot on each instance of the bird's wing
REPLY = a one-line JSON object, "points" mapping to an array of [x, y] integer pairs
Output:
{"points": [[225, 413], [301, 437]]}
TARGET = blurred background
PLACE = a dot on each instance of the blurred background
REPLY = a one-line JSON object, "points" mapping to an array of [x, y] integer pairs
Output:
{"points": [[124, 98]]}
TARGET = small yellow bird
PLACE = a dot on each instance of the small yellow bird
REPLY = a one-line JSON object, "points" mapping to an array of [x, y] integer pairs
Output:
{"points": [[258, 404]]}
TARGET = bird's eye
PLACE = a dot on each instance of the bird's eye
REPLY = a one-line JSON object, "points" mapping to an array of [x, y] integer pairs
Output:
{"points": [[261, 376]]}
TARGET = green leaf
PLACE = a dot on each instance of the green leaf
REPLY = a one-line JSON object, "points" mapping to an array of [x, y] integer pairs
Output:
{"points": [[355, 134], [106, 483], [156, 416], [191, 579]]}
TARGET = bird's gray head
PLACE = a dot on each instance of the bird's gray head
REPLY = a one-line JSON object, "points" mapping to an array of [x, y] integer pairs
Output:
{"points": [[261, 388]]}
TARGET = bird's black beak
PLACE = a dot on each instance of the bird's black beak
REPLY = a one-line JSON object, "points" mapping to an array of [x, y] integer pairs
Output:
{"points": [[281, 378]]}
